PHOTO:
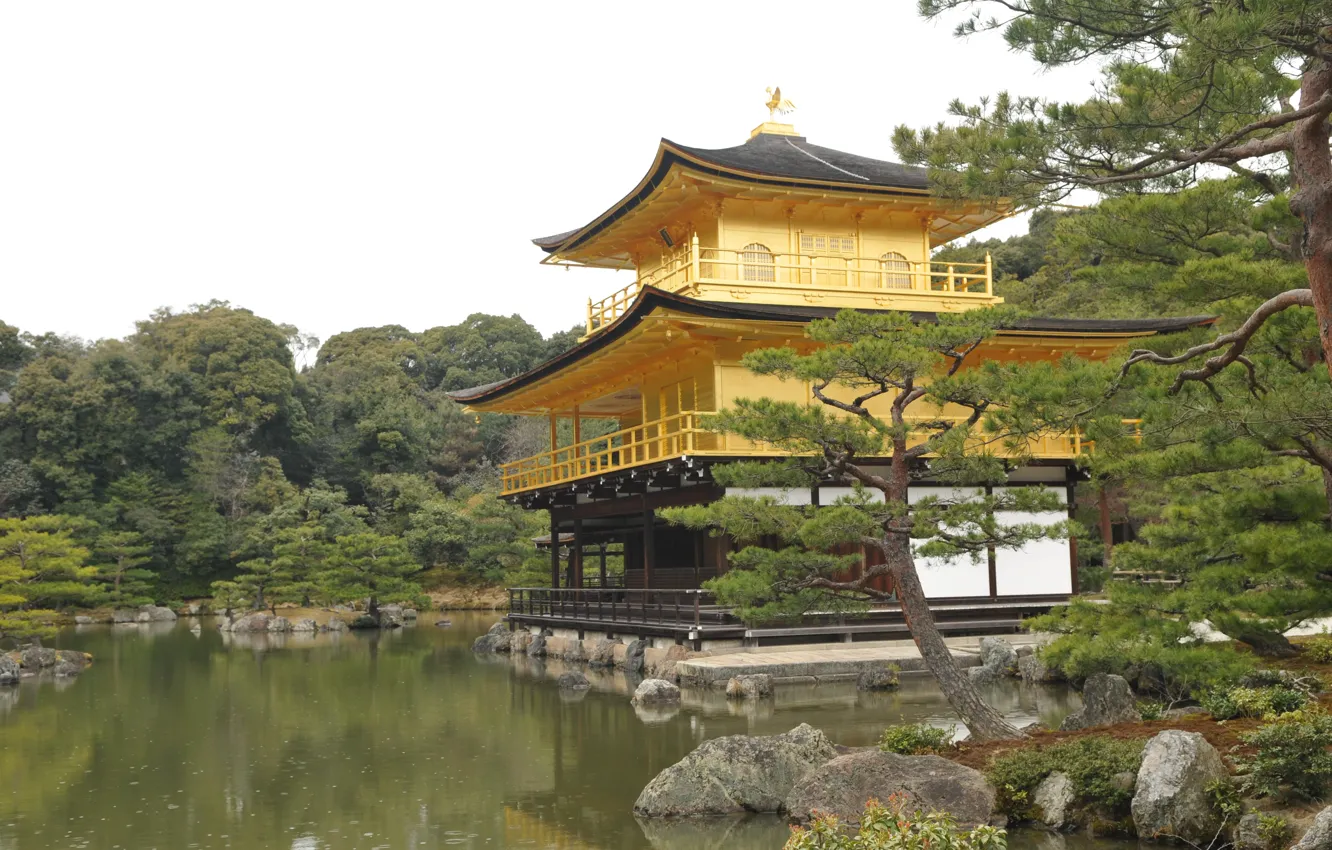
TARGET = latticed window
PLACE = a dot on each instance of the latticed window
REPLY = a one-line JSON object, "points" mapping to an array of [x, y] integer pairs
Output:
{"points": [[756, 263], [821, 243], [896, 270]]}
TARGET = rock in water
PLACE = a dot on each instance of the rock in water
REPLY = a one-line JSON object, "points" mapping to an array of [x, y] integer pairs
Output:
{"points": [[603, 654], [37, 657], [9, 671], [655, 692], [1032, 671], [878, 679], [1171, 798], [1054, 799], [997, 652], [124, 615], [844, 784], [251, 623], [305, 624], [363, 621], [279, 624], [390, 617], [1319, 836], [634, 655], [155, 614], [753, 686], [83, 620], [735, 774], [1106, 699], [495, 640], [537, 648], [573, 681], [335, 624]]}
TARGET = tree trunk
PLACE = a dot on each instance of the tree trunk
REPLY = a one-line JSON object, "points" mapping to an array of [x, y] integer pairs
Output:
{"points": [[982, 720], [1311, 167], [372, 607]]}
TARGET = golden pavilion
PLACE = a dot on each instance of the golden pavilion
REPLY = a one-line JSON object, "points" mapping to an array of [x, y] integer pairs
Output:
{"points": [[732, 250]]}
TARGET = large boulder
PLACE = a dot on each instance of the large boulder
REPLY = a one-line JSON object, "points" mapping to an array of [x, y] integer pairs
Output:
{"points": [[878, 679], [1033, 671], [335, 624], [363, 622], [155, 614], [603, 654], [1319, 835], [537, 648], [37, 657], [752, 686], [390, 617], [655, 692], [736, 774], [1054, 800], [844, 784], [495, 640], [664, 667], [1171, 797], [279, 624], [1106, 699], [251, 623], [124, 615], [519, 641], [83, 620], [305, 624], [998, 659], [9, 671], [573, 681], [634, 655]]}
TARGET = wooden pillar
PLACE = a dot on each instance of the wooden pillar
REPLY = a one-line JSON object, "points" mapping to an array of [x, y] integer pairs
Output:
{"points": [[554, 552], [554, 431], [649, 544], [576, 554], [698, 557], [603, 564]]}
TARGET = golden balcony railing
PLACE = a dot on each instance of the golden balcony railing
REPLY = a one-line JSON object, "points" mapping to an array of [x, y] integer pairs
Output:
{"points": [[682, 434], [691, 269], [670, 436]]}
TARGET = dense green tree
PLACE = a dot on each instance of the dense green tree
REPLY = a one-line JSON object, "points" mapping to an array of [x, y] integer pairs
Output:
{"points": [[882, 382], [1188, 88], [42, 567], [124, 556], [372, 567]]}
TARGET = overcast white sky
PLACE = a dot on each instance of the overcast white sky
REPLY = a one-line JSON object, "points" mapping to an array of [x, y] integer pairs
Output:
{"points": [[336, 165]]}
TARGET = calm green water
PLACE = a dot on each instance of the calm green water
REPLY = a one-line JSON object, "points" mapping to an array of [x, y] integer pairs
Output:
{"points": [[395, 740]]}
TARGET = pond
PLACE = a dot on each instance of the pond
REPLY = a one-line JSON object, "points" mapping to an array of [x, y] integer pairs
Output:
{"points": [[403, 739]]}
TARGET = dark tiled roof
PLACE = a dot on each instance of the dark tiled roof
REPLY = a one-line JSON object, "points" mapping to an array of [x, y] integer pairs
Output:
{"points": [[651, 298], [766, 158], [794, 158]]}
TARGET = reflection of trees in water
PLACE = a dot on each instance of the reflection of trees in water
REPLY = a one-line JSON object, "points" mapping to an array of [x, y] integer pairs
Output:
{"points": [[402, 735]]}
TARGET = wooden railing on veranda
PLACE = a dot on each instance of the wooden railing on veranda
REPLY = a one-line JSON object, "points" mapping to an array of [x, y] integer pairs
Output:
{"points": [[692, 265], [682, 434], [621, 606]]}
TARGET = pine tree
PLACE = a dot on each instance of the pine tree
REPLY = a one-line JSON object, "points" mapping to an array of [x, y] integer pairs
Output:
{"points": [[124, 554], [373, 567], [41, 568], [883, 382]]}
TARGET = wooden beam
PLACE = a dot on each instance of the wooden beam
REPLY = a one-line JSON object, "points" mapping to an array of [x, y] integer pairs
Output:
{"points": [[576, 554], [554, 551], [649, 542]]}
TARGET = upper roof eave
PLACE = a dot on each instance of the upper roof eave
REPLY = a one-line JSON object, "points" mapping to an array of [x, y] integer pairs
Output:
{"points": [[890, 178], [651, 299]]}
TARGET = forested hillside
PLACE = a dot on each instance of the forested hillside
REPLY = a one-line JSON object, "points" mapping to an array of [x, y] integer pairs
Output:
{"points": [[195, 451]]}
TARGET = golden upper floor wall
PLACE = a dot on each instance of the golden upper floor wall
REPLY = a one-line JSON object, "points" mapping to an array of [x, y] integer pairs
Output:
{"points": [[778, 220]]}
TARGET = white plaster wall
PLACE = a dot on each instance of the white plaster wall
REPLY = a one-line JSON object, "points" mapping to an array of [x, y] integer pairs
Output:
{"points": [[1039, 567], [957, 576]]}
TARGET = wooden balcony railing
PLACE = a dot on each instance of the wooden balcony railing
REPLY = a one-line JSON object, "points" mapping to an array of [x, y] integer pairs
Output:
{"points": [[694, 266], [683, 434], [690, 608], [670, 436]]}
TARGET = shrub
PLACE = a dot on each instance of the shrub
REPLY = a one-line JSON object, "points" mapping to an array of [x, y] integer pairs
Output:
{"points": [[1226, 799], [1090, 764], [1290, 752], [1318, 648], [891, 827], [912, 739], [1171, 672], [1267, 701], [1274, 830], [1150, 709]]}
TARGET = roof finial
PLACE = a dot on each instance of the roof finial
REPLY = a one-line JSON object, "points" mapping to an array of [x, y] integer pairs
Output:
{"points": [[777, 106]]}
